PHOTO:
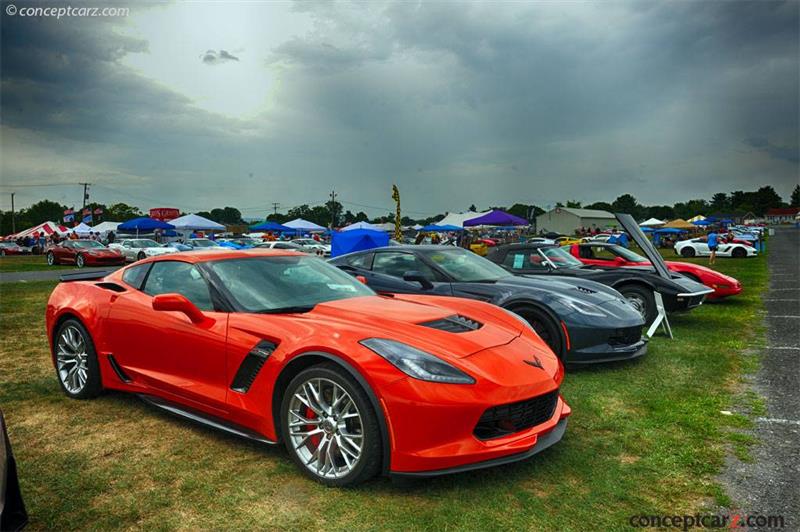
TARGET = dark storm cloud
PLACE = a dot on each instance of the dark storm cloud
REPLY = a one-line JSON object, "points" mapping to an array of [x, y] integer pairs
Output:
{"points": [[212, 57], [457, 103]]}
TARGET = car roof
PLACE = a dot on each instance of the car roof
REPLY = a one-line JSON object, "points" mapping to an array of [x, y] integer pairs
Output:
{"points": [[209, 256]]}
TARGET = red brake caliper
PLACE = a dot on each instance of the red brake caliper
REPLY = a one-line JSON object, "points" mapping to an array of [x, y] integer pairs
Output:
{"points": [[316, 438]]}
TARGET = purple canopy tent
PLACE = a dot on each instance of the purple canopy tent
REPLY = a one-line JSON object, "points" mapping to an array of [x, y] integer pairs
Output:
{"points": [[496, 217]]}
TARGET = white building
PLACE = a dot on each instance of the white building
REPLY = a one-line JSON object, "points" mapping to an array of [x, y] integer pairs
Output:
{"points": [[568, 221]]}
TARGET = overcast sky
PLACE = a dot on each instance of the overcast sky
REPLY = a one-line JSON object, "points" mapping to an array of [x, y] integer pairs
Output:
{"points": [[203, 105]]}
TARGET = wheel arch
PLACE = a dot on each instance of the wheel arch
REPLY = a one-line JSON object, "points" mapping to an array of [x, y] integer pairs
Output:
{"points": [[312, 358], [522, 303]]}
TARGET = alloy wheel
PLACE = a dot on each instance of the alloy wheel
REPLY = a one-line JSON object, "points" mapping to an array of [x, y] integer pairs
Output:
{"points": [[72, 360], [325, 428], [51, 259], [639, 304], [79, 262]]}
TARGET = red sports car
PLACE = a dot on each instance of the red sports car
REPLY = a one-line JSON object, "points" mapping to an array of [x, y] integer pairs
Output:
{"points": [[12, 248], [83, 253], [276, 345], [605, 255]]}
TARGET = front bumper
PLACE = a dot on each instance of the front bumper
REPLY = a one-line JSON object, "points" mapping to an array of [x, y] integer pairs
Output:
{"points": [[590, 345], [724, 290]]}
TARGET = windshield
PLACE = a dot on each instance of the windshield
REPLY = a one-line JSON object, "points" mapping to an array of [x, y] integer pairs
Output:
{"points": [[560, 258], [145, 243], [628, 255], [203, 243], [465, 266], [87, 244], [285, 283]]}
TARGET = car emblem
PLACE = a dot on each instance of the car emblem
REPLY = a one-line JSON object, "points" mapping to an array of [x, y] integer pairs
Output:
{"points": [[536, 363]]}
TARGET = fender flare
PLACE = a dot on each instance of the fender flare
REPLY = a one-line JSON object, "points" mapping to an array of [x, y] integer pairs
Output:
{"points": [[508, 305], [373, 399]]}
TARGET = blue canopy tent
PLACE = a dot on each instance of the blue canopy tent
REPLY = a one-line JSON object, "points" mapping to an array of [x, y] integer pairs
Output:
{"points": [[433, 228], [702, 222], [271, 226], [658, 233], [356, 240], [143, 225]]}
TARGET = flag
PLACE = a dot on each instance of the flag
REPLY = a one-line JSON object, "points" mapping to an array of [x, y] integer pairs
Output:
{"points": [[87, 219], [68, 217], [87, 211], [68, 212]]}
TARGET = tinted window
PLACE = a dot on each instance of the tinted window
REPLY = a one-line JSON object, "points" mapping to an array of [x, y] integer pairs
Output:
{"points": [[134, 275], [524, 260], [465, 266], [173, 277], [397, 264], [363, 261]]}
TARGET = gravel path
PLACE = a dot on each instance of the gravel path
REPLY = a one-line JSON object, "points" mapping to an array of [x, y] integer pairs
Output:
{"points": [[770, 484]]}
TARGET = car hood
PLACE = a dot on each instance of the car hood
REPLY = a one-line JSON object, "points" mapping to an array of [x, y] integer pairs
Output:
{"points": [[396, 319], [584, 289]]}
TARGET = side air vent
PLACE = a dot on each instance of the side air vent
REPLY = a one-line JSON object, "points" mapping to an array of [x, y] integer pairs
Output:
{"points": [[251, 365], [118, 370], [114, 287], [454, 324]]}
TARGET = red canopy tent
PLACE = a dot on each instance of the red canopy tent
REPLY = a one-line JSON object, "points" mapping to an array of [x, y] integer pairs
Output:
{"points": [[48, 228]]}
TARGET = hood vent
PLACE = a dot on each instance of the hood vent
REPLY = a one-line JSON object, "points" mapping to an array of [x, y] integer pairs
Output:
{"points": [[454, 324], [585, 290]]}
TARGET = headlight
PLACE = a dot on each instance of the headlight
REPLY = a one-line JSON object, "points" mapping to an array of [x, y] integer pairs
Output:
{"points": [[416, 363], [584, 308]]}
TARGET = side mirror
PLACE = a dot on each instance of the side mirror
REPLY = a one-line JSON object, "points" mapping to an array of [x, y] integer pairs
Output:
{"points": [[415, 276], [179, 303], [361, 279], [619, 260]]}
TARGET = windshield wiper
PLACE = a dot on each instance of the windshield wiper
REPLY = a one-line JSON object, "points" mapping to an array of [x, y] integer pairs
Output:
{"points": [[298, 309]]}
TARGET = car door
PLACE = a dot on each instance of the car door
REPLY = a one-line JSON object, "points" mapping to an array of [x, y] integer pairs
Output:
{"points": [[165, 350], [701, 246], [65, 252], [389, 267]]}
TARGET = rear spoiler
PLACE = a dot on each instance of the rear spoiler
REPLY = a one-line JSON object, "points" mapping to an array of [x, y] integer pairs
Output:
{"points": [[84, 276]]}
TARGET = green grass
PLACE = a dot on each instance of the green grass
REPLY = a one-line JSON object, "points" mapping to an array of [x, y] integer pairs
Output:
{"points": [[644, 437], [27, 263]]}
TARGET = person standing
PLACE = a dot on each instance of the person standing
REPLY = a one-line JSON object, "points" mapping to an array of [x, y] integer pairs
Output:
{"points": [[622, 240], [713, 243]]}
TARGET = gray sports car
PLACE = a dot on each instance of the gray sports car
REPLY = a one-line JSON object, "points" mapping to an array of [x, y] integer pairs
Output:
{"points": [[582, 321]]}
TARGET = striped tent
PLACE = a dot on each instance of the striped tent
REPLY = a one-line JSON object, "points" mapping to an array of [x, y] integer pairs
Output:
{"points": [[48, 228]]}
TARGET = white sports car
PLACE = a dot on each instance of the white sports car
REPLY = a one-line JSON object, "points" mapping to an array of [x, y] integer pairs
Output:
{"points": [[310, 245], [698, 247], [134, 249]]}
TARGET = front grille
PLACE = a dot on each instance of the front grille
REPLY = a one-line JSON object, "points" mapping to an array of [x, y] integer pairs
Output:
{"points": [[626, 336], [454, 324], [507, 419]]}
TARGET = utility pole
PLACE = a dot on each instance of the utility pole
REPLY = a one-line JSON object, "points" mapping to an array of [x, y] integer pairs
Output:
{"points": [[275, 206], [85, 195], [13, 223], [333, 209]]}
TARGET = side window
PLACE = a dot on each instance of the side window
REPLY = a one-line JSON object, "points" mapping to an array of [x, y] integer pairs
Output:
{"points": [[361, 261], [173, 277], [524, 260], [134, 275], [585, 252], [601, 253], [397, 264]]}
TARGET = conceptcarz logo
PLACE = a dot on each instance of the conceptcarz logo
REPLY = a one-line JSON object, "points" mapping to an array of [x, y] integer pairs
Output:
{"points": [[685, 522]]}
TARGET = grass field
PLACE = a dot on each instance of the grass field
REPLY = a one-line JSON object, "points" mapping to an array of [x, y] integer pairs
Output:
{"points": [[645, 437], [27, 263]]}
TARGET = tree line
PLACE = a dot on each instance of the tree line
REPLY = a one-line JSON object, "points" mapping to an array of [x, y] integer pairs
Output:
{"points": [[332, 213]]}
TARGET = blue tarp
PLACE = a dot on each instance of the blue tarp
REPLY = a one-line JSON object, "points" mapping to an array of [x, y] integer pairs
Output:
{"points": [[143, 225], [702, 222], [433, 228], [270, 226], [357, 240], [669, 231]]}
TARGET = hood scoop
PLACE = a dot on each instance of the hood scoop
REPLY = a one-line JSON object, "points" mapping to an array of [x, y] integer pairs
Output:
{"points": [[453, 324], [585, 290]]}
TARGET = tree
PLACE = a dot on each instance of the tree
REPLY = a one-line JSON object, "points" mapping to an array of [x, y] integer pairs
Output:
{"points": [[225, 215], [627, 204], [795, 200], [42, 211], [600, 206], [719, 201], [473, 208], [122, 212], [573, 204]]}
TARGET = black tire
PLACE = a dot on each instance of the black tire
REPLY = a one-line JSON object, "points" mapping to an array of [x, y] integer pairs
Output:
{"points": [[51, 258], [93, 384], [369, 461], [80, 262], [738, 253], [688, 252], [545, 327], [642, 299], [141, 255]]}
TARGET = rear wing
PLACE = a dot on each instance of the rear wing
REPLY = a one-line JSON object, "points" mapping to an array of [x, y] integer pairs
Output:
{"points": [[84, 276]]}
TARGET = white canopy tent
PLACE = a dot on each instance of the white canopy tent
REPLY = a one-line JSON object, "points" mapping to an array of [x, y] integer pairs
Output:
{"points": [[304, 225], [193, 222], [361, 225], [652, 222], [104, 227], [81, 229], [458, 218]]}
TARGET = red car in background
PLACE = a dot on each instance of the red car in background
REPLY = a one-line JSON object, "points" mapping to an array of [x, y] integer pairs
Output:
{"points": [[601, 254], [83, 253], [12, 248]]}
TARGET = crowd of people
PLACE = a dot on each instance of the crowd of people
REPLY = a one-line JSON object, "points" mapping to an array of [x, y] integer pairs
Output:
{"points": [[38, 241]]}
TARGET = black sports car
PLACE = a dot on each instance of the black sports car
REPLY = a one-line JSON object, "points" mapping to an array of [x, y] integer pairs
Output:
{"points": [[636, 284], [582, 321]]}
